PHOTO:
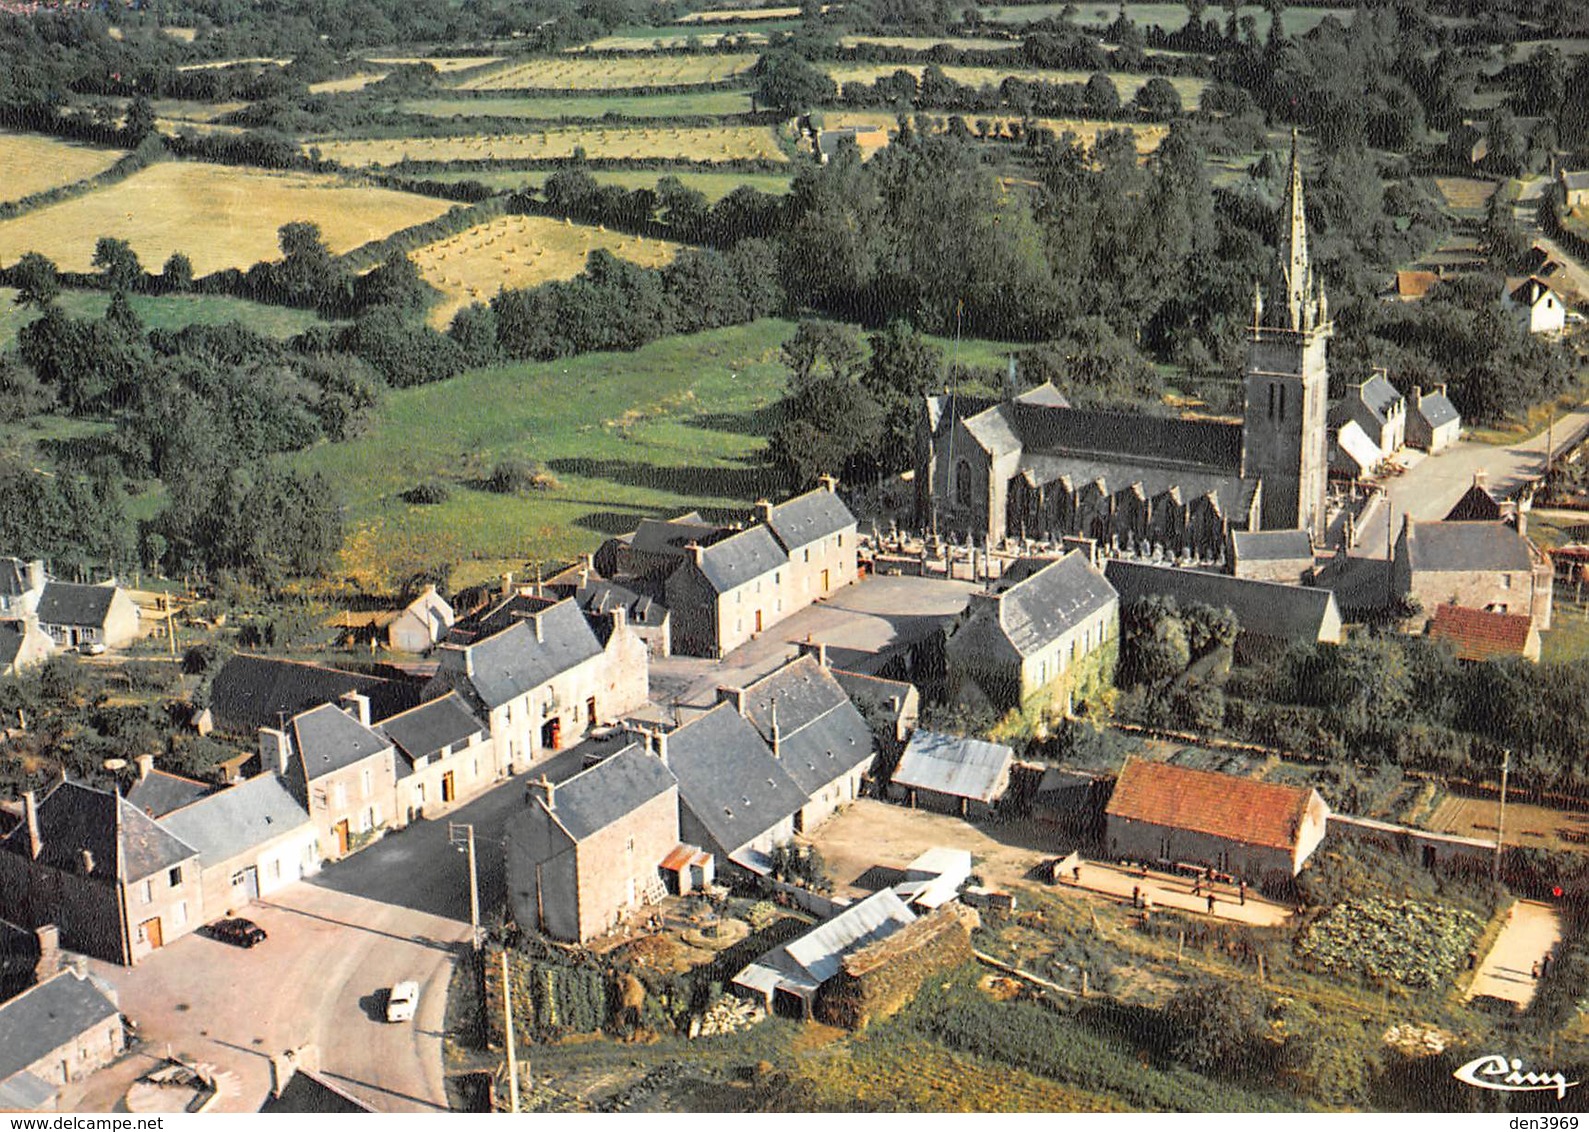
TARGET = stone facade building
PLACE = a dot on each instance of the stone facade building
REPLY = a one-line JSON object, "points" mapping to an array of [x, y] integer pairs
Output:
{"points": [[76, 616], [57, 1032], [341, 771], [444, 756], [1480, 565], [1433, 422]]}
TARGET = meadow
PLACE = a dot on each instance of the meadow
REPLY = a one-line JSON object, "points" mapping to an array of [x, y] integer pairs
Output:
{"points": [[521, 251], [578, 73], [701, 103], [1190, 89], [676, 425], [165, 312], [218, 215], [714, 186], [187, 110], [1086, 130], [347, 85], [1170, 17], [684, 143], [718, 15], [33, 163]]}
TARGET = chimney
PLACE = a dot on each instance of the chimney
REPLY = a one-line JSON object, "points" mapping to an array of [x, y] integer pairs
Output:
{"points": [[763, 511], [357, 705], [36, 574], [620, 618], [86, 859], [658, 744], [1417, 395], [1088, 546], [817, 649], [588, 564], [693, 549], [545, 790], [30, 802], [49, 941], [735, 696], [535, 620], [274, 751], [829, 483], [776, 740], [895, 703], [1479, 477], [507, 584], [145, 766], [1010, 386]]}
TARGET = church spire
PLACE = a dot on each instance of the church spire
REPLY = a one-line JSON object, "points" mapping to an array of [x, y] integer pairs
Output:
{"points": [[1295, 299]]}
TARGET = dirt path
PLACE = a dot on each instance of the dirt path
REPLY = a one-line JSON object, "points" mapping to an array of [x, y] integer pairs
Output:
{"points": [[1508, 971]]}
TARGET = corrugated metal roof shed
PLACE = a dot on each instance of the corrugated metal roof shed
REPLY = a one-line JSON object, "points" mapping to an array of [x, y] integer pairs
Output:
{"points": [[948, 764]]}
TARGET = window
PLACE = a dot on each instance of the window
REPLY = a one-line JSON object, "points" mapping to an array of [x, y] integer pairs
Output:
{"points": [[1282, 402], [237, 879], [963, 483], [368, 781], [146, 892], [808, 554], [630, 845], [841, 542], [141, 934], [273, 870], [339, 795], [777, 579], [1271, 402], [175, 877], [1506, 581], [181, 913]]}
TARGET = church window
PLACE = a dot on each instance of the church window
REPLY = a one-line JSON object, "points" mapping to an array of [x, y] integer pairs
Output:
{"points": [[1271, 402], [1282, 402], [963, 483]]}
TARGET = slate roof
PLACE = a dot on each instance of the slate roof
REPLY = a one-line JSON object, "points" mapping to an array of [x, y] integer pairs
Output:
{"points": [[10, 645], [1039, 599], [13, 577], [509, 663], [1271, 546], [1444, 547], [1476, 505], [728, 778], [328, 739], [1133, 436], [821, 733], [1476, 634], [671, 536], [948, 764], [250, 692], [1436, 409], [1378, 396], [308, 1092], [237, 819], [809, 961], [601, 596], [48, 1016], [67, 603], [1530, 291], [741, 557], [1202, 801], [74, 817], [1575, 179], [1265, 609], [809, 518], [426, 729], [159, 793], [609, 792], [494, 618]]}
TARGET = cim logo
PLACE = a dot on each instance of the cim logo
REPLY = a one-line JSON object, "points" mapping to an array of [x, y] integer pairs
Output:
{"points": [[1496, 1073]]}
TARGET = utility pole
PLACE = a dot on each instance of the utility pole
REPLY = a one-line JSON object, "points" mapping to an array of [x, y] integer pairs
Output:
{"points": [[462, 837], [1500, 814], [513, 1060]]}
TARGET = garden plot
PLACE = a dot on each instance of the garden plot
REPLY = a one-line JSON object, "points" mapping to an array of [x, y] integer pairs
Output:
{"points": [[925, 42], [706, 103], [1391, 941], [219, 215], [521, 251], [740, 38], [705, 143], [579, 73], [33, 164]]}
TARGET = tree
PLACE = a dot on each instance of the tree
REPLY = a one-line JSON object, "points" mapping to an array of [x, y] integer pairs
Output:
{"points": [[140, 121], [903, 367], [1102, 99], [37, 282], [118, 263], [1158, 99], [1216, 1025], [177, 274], [394, 282], [790, 85]]}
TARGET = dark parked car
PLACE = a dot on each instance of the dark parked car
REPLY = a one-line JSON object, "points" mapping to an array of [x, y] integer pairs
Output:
{"points": [[242, 933]]}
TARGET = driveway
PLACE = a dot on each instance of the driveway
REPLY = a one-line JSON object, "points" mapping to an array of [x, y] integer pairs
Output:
{"points": [[1510, 970]]}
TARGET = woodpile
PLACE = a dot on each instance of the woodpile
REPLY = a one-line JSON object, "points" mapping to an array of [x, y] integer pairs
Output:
{"points": [[728, 1015], [875, 981]]}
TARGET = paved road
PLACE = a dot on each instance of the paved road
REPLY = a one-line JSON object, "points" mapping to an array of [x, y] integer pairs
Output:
{"points": [[1532, 930]]}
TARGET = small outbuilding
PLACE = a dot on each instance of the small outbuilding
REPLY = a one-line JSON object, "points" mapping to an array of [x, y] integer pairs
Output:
{"points": [[1433, 422], [952, 774], [57, 1032], [1477, 635]]}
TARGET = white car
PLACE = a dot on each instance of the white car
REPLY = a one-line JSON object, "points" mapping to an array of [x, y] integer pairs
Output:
{"points": [[401, 1002]]}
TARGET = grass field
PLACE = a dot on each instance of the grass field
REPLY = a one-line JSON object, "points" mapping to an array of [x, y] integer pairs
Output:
{"points": [[702, 103], [714, 186], [444, 64], [923, 42], [351, 83], [1170, 17], [612, 74], [704, 143], [1190, 89], [221, 64], [1466, 194], [521, 251], [676, 425], [1086, 130], [220, 216], [32, 164], [166, 312], [184, 110], [718, 15]]}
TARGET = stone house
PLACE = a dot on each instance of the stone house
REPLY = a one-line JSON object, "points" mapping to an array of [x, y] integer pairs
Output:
{"points": [[75, 616], [736, 800], [250, 692], [1433, 422], [445, 756], [1572, 185], [1536, 305], [647, 617], [1271, 556], [420, 624], [1353, 452], [1043, 635], [1477, 635], [1379, 410], [728, 592], [23, 645], [818, 532], [814, 732], [157, 792], [55, 1033], [951, 774], [1480, 565], [252, 838], [1237, 825], [583, 854], [341, 771], [544, 680], [891, 707], [867, 139], [116, 884]]}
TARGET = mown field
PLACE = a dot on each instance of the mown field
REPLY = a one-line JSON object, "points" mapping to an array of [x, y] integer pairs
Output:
{"points": [[351, 83], [703, 103], [184, 110], [521, 251], [1190, 89], [679, 424], [219, 215], [30, 164], [578, 73], [165, 312], [1170, 17], [714, 186], [682, 143], [1086, 130]]}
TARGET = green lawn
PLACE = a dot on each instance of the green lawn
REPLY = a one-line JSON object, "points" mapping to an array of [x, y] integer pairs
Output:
{"points": [[715, 186], [709, 103], [679, 424], [165, 312]]}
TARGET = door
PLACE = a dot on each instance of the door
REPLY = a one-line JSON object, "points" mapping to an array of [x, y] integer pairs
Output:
{"points": [[251, 882], [152, 933], [552, 734], [341, 830], [758, 621], [824, 581], [448, 789], [590, 711]]}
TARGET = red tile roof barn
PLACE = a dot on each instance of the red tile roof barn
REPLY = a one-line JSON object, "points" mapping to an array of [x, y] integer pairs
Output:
{"points": [[1480, 635], [1201, 801]]}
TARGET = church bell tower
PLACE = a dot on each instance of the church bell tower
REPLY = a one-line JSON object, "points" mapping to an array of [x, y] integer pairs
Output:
{"points": [[1284, 440]]}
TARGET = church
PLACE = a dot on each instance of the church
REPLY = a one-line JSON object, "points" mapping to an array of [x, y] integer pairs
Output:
{"points": [[1029, 465]]}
